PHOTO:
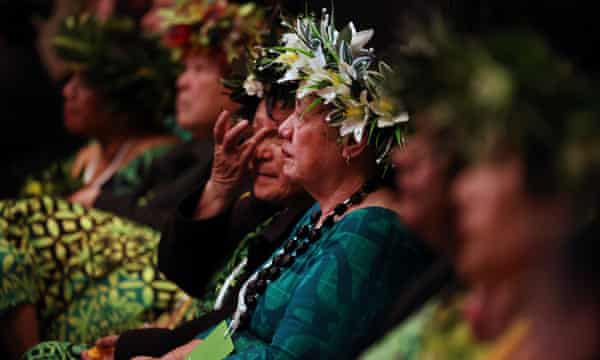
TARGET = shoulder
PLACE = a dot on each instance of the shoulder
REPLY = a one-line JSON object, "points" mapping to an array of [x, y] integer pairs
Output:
{"points": [[370, 221], [380, 227]]}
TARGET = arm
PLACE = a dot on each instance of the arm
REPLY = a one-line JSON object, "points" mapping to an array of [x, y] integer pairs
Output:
{"points": [[189, 249], [172, 178]]}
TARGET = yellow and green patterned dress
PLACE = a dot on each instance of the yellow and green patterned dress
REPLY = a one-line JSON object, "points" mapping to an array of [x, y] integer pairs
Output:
{"points": [[89, 273], [436, 332]]}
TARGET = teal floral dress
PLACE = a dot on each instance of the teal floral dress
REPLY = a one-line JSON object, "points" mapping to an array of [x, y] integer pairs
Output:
{"points": [[328, 300]]}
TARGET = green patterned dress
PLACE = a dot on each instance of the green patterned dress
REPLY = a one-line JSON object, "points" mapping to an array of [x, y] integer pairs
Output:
{"points": [[437, 332], [327, 301], [62, 350], [88, 273]]}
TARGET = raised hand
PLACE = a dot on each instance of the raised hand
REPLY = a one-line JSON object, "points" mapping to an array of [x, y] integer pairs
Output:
{"points": [[230, 164]]}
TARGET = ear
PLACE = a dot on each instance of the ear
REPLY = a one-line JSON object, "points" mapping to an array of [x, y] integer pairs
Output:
{"points": [[351, 149]]}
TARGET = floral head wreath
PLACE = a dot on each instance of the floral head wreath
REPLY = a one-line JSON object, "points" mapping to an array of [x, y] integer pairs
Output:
{"points": [[134, 73], [335, 68], [259, 80], [215, 24], [509, 89]]}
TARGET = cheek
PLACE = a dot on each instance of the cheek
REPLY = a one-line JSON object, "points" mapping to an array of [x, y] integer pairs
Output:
{"points": [[82, 113], [206, 94], [500, 237]]}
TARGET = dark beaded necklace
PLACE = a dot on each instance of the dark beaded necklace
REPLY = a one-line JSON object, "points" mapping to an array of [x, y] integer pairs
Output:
{"points": [[305, 236]]}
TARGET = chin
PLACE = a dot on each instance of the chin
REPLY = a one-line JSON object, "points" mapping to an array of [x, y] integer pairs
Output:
{"points": [[74, 127]]}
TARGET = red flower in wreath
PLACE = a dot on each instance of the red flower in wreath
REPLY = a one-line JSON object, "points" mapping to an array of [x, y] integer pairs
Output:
{"points": [[178, 36]]}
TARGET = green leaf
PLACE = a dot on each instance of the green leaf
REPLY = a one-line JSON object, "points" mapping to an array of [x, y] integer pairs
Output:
{"points": [[318, 101]]}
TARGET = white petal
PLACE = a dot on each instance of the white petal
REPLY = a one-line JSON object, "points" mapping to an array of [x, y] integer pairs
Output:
{"points": [[353, 126], [384, 122], [328, 94], [290, 75], [401, 118], [348, 72], [361, 39], [319, 61], [358, 133]]}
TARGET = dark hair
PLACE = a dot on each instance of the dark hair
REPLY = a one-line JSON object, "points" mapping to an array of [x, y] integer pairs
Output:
{"points": [[16, 17], [583, 261]]}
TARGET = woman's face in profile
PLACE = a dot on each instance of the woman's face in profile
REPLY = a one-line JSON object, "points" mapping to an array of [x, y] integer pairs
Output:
{"points": [[84, 111], [422, 186], [502, 226], [200, 95], [270, 184], [310, 146]]}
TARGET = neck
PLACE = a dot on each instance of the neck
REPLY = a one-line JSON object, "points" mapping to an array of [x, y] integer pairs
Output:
{"points": [[110, 146], [336, 188]]}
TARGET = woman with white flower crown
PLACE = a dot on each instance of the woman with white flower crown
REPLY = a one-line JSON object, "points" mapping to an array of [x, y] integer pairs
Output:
{"points": [[320, 293]]}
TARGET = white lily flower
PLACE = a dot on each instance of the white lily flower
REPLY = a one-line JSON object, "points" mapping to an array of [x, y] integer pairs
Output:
{"points": [[384, 109], [357, 114], [353, 126], [337, 86], [359, 39], [318, 62], [291, 40], [384, 121], [254, 87], [296, 62]]}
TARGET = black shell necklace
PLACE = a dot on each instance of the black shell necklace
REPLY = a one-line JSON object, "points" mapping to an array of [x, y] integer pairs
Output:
{"points": [[297, 245]]}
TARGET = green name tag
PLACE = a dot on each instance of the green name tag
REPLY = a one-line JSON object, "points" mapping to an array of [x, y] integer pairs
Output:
{"points": [[216, 346]]}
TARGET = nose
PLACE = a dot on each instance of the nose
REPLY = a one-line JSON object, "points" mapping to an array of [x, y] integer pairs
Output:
{"points": [[69, 88], [182, 80], [264, 150], [461, 190], [285, 129], [149, 22]]}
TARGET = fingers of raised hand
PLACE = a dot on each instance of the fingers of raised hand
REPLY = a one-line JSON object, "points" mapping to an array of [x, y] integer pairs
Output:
{"points": [[221, 126], [250, 145], [232, 136]]}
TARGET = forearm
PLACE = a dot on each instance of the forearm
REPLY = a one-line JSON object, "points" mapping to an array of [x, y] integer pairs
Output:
{"points": [[215, 200]]}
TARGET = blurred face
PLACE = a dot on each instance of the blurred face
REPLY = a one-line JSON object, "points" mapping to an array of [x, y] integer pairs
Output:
{"points": [[502, 228], [103, 9], [200, 95], [84, 110], [270, 184], [422, 185], [310, 146], [151, 22]]}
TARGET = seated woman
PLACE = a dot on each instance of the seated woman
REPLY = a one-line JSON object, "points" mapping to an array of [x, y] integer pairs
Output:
{"points": [[349, 251], [87, 235], [426, 168], [508, 184], [200, 98], [186, 247], [110, 62], [535, 179]]}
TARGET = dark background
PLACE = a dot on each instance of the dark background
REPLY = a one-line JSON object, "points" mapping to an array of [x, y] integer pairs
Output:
{"points": [[31, 132]]}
